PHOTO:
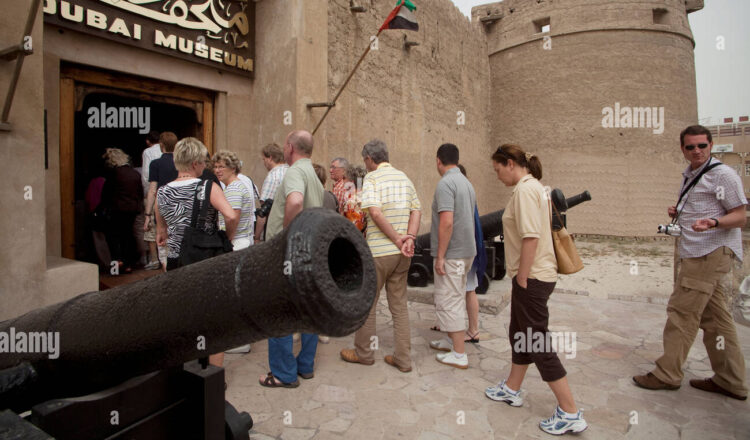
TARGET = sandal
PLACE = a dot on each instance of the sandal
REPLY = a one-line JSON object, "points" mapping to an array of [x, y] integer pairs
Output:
{"points": [[272, 381], [435, 328], [474, 339]]}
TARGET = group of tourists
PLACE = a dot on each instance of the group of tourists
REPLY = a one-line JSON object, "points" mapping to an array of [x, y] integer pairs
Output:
{"points": [[382, 202]]}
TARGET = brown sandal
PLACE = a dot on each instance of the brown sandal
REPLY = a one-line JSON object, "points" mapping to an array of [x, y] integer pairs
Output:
{"points": [[272, 381]]}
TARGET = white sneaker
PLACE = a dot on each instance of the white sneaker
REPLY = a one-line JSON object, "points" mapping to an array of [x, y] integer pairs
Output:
{"points": [[451, 359], [560, 423], [501, 393], [241, 349], [324, 339], [442, 345]]}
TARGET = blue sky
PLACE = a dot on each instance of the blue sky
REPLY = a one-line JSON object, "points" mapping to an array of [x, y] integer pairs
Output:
{"points": [[722, 57]]}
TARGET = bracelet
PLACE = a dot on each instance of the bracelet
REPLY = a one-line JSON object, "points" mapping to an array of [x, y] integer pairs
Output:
{"points": [[717, 223]]}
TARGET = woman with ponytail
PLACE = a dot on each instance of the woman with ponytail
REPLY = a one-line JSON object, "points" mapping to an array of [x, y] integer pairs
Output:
{"points": [[530, 261]]}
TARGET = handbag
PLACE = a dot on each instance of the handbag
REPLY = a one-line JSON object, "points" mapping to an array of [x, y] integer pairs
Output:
{"points": [[198, 244], [566, 254]]}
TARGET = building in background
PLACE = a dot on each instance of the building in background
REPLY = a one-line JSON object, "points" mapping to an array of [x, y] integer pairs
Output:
{"points": [[732, 146]]}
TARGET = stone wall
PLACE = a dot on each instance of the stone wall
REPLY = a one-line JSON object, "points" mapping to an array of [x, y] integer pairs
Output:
{"points": [[22, 229], [411, 98]]}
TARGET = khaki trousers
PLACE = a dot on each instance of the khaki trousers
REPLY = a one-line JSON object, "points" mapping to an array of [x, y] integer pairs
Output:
{"points": [[450, 294], [699, 300], [392, 271]]}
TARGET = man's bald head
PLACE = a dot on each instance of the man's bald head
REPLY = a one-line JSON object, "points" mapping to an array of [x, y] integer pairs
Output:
{"points": [[302, 141]]}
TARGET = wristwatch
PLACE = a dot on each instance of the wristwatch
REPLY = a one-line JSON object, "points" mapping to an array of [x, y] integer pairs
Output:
{"points": [[717, 223]]}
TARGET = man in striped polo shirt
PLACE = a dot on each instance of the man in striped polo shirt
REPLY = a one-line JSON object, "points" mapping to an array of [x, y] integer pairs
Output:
{"points": [[393, 211]]}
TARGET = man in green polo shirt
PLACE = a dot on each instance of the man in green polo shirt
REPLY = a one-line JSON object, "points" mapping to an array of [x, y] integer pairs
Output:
{"points": [[300, 189]]}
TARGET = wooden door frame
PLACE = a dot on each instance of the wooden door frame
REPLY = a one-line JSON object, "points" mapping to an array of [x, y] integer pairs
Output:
{"points": [[73, 76]]}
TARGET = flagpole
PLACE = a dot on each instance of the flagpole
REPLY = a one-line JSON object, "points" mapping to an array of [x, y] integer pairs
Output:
{"points": [[343, 86]]}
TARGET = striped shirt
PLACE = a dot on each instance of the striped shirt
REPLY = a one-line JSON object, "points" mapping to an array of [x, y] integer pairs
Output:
{"points": [[240, 197], [718, 191], [272, 181], [175, 201], [390, 190]]}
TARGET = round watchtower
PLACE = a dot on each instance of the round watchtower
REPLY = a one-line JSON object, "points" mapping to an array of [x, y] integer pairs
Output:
{"points": [[600, 90]]}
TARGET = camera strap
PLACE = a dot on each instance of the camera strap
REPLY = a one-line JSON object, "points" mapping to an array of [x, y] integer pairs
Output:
{"points": [[709, 166]]}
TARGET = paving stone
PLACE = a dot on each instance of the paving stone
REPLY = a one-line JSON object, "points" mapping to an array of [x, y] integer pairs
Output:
{"points": [[330, 393], [652, 427], [297, 434], [497, 345], [311, 405], [336, 425], [259, 436], [610, 350]]}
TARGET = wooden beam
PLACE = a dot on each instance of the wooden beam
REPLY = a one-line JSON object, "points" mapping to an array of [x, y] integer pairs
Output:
{"points": [[127, 82], [67, 167]]}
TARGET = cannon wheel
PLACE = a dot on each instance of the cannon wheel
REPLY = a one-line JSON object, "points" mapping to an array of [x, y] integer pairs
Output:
{"points": [[418, 276], [484, 284]]}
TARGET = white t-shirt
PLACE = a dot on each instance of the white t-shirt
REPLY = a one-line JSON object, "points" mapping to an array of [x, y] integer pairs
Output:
{"points": [[151, 153]]}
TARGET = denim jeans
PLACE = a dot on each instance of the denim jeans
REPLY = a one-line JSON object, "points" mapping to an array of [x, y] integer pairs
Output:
{"points": [[281, 356]]}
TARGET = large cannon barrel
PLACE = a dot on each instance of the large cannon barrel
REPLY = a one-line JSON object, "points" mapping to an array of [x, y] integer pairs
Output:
{"points": [[492, 223], [317, 276]]}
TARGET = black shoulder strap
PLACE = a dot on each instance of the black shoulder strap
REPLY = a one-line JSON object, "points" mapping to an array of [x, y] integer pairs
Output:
{"points": [[200, 209], [687, 188]]}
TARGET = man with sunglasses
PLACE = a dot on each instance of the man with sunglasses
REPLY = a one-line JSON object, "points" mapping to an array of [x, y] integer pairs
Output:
{"points": [[711, 213]]}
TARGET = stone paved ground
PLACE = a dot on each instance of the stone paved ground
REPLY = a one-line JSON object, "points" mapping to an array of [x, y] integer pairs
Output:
{"points": [[615, 340]]}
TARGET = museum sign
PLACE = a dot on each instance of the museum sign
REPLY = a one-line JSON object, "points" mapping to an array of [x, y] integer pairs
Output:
{"points": [[217, 33]]}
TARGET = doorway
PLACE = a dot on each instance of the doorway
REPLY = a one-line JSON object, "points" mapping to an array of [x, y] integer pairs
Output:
{"points": [[100, 110]]}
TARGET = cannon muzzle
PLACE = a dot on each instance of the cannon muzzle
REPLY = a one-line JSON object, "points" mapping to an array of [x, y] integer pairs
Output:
{"points": [[317, 276], [562, 204]]}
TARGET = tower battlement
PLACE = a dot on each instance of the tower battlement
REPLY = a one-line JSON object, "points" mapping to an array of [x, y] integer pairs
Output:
{"points": [[511, 23]]}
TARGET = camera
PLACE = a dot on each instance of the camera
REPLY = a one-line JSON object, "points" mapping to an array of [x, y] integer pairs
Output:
{"points": [[265, 208], [670, 229]]}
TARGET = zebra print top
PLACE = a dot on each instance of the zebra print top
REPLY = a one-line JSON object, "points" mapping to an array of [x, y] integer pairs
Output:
{"points": [[175, 201]]}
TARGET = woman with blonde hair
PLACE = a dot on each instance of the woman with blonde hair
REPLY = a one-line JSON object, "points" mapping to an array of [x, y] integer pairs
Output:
{"points": [[122, 198], [530, 261], [227, 166], [175, 200]]}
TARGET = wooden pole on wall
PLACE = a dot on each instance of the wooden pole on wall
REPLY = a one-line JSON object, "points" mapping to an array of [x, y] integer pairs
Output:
{"points": [[331, 104]]}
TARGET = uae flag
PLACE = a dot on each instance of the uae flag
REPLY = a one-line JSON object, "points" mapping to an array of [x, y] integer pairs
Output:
{"points": [[402, 17]]}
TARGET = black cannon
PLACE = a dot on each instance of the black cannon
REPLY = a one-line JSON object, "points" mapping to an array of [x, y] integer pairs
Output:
{"points": [[420, 271], [128, 354]]}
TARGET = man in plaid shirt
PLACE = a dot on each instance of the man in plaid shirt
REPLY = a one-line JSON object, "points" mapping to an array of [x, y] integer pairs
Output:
{"points": [[711, 215], [273, 160]]}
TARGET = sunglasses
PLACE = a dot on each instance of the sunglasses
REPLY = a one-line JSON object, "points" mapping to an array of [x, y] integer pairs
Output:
{"points": [[692, 147]]}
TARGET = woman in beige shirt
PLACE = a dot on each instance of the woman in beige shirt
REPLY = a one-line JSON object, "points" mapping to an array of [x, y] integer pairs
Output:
{"points": [[531, 263]]}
